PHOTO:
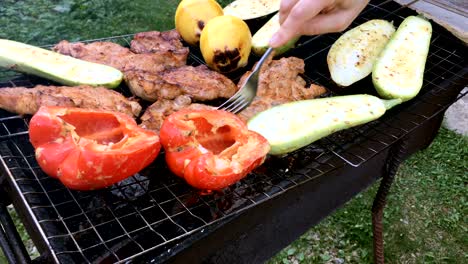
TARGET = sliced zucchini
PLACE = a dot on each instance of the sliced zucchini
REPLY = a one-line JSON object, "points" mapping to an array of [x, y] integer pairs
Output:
{"points": [[399, 71], [261, 39], [60, 68], [290, 126], [353, 55], [250, 9]]}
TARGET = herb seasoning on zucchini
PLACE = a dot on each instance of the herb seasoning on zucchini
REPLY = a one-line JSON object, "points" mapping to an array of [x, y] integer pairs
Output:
{"points": [[399, 71], [353, 55]]}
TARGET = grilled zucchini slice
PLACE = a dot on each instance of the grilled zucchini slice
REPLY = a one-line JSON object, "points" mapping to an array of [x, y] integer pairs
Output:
{"points": [[399, 71], [293, 125], [54, 66], [261, 39], [353, 55], [250, 9]]}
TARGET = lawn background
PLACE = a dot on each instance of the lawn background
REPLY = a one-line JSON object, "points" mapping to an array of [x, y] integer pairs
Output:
{"points": [[426, 217]]}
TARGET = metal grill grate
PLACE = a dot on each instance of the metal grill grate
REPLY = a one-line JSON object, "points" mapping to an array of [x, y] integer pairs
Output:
{"points": [[154, 209]]}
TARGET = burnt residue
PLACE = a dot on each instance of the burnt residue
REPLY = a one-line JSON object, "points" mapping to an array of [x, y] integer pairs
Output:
{"points": [[201, 24], [227, 60]]}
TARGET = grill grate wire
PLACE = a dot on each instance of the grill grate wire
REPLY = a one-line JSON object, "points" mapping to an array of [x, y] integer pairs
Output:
{"points": [[153, 209]]}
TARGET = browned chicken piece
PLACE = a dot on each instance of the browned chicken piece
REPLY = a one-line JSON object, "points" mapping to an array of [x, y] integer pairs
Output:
{"points": [[182, 84], [280, 82], [119, 57], [155, 41], [155, 114], [150, 86], [152, 53], [107, 53], [200, 83], [23, 100]]}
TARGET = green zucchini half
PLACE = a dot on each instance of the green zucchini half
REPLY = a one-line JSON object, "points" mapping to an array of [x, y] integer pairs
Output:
{"points": [[399, 71], [353, 55], [261, 39], [290, 126], [250, 9], [60, 68]]}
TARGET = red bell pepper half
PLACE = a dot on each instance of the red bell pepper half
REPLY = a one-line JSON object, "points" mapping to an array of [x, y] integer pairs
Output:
{"points": [[211, 149], [89, 149]]}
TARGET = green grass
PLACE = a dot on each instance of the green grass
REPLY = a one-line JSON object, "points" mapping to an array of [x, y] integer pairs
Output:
{"points": [[426, 216], [425, 220], [43, 22]]}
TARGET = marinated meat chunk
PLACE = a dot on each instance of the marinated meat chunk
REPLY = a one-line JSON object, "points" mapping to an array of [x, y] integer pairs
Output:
{"points": [[155, 41], [279, 82], [200, 83], [150, 86], [23, 100], [263, 103], [155, 114], [119, 57], [153, 53], [107, 53]]}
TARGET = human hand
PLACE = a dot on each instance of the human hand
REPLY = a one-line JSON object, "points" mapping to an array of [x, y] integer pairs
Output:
{"points": [[313, 17]]}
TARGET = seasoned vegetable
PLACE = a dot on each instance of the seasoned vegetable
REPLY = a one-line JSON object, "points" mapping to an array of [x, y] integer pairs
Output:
{"points": [[54, 66], [90, 149], [399, 70], [354, 53], [261, 38], [211, 149], [290, 126], [250, 9]]}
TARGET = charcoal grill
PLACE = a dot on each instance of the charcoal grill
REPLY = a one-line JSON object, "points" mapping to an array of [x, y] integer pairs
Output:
{"points": [[155, 217]]}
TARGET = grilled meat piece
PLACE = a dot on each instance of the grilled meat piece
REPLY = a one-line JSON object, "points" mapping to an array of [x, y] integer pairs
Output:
{"points": [[279, 82], [152, 53], [23, 100], [200, 83], [119, 57], [150, 86], [155, 41], [107, 53], [155, 114], [182, 84]]}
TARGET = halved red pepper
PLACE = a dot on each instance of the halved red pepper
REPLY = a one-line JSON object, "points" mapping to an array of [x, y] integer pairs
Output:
{"points": [[90, 149], [211, 149]]}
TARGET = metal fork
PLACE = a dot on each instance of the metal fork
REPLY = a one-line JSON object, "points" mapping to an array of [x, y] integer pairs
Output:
{"points": [[245, 95]]}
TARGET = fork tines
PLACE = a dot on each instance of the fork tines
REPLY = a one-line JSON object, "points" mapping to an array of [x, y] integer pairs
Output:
{"points": [[236, 103]]}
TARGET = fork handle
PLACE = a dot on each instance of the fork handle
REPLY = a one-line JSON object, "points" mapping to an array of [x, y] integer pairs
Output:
{"points": [[263, 58]]}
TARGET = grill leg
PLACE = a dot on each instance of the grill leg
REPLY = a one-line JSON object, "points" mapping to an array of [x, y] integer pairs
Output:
{"points": [[394, 160], [6, 248], [10, 240]]}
